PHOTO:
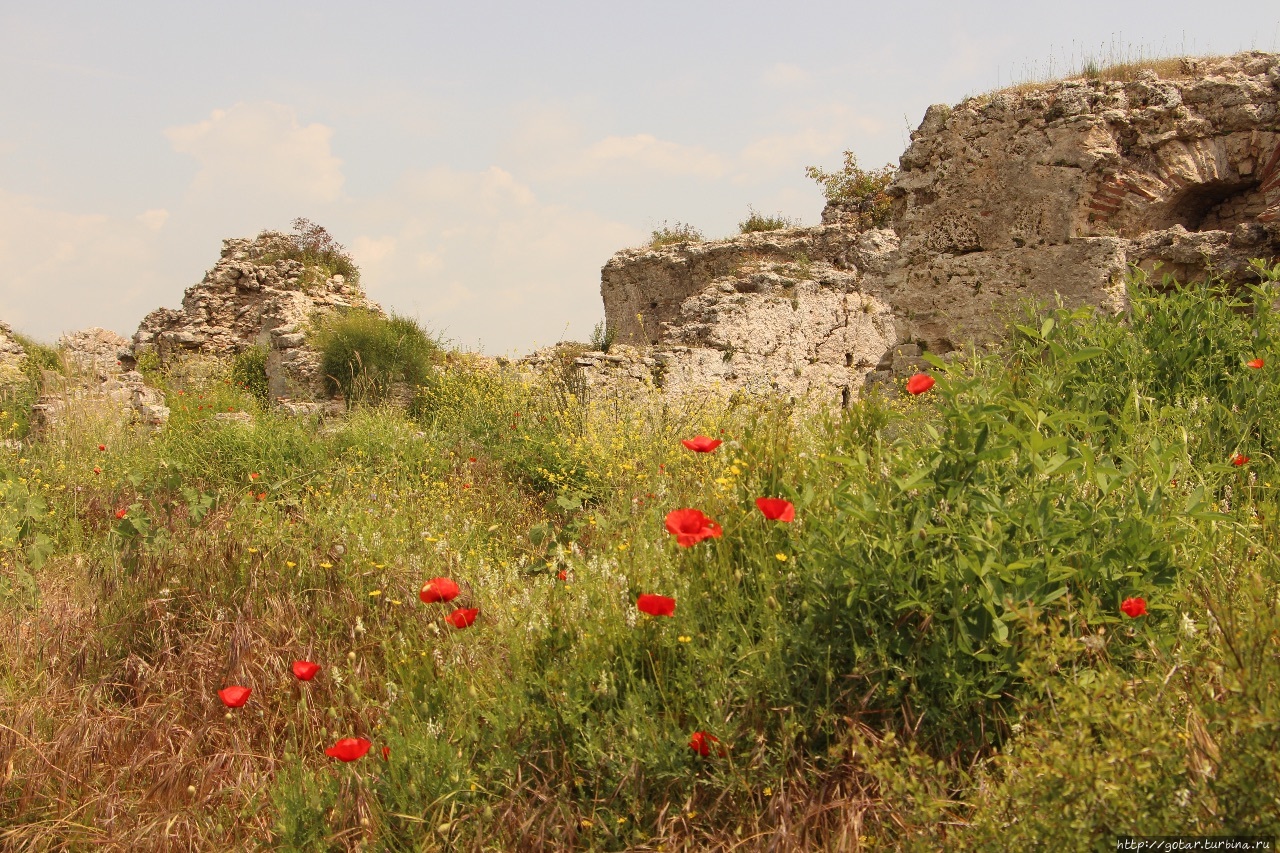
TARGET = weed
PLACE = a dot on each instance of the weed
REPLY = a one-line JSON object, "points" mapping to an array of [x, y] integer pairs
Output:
{"points": [[603, 336], [675, 234], [756, 221], [249, 371], [863, 192]]}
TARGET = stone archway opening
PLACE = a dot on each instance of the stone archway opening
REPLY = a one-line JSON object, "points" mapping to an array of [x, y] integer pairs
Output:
{"points": [[1215, 206]]}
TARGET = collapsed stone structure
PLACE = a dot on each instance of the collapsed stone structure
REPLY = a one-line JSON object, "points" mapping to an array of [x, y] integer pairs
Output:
{"points": [[96, 378], [1053, 191], [258, 293]]}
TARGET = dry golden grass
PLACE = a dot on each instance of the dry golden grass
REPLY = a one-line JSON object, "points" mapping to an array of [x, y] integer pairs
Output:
{"points": [[142, 756], [1168, 68]]}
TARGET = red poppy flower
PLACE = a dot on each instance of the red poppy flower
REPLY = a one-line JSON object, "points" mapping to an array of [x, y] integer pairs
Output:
{"points": [[349, 749], [656, 605], [1255, 364], [97, 470], [305, 670], [701, 743], [471, 459], [253, 475], [690, 526], [260, 496], [102, 447], [919, 383], [1134, 607], [777, 509], [701, 443], [386, 753], [1239, 459], [463, 617], [122, 512], [234, 696], [438, 589], [563, 575]]}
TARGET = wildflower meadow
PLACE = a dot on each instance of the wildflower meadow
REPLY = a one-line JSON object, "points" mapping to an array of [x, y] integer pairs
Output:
{"points": [[1026, 599]]}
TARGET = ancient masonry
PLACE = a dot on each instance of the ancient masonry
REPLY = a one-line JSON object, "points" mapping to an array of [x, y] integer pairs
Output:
{"points": [[256, 294], [1014, 196]]}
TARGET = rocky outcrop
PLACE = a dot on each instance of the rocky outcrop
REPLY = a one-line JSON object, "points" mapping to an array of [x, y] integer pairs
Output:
{"points": [[1018, 196], [257, 294]]}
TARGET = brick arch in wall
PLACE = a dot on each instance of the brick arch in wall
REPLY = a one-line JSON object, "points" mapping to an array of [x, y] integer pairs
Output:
{"points": [[1205, 184]]}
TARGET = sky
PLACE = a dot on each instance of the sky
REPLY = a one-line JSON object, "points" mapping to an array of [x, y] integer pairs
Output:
{"points": [[480, 161]]}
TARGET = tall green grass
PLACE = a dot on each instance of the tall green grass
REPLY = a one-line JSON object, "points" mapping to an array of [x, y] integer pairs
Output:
{"points": [[931, 655]]}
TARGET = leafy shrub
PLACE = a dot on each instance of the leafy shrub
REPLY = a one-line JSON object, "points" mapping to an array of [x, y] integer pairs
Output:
{"points": [[863, 193], [679, 232], [249, 371], [364, 355], [757, 221]]}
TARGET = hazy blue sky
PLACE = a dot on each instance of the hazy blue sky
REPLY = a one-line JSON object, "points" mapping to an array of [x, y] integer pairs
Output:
{"points": [[480, 160]]}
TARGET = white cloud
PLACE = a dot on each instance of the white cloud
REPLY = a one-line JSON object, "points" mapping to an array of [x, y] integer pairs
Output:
{"points": [[261, 147], [372, 250], [477, 256], [783, 74], [99, 267], [154, 219], [647, 153]]}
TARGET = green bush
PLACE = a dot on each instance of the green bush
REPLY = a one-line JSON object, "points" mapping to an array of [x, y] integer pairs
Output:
{"points": [[364, 355], [863, 192], [249, 371], [757, 221], [670, 235]]}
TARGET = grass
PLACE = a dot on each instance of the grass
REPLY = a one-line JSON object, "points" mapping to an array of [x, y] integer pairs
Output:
{"points": [[935, 635], [675, 234], [1111, 65], [365, 356], [757, 221]]}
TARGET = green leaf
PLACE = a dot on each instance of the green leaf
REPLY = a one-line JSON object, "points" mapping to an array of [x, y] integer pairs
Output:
{"points": [[908, 483], [1053, 596], [1085, 353]]}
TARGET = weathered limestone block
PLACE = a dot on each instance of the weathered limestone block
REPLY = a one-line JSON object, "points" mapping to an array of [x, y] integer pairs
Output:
{"points": [[948, 300], [644, 288], [94, 352]]}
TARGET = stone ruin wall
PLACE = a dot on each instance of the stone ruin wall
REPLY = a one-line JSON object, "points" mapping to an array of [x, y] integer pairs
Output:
{"points": [[254, 295], [1004, 198]]}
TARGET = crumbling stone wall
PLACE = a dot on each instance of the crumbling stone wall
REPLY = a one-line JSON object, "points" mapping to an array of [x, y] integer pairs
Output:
{"points": [[256, 294], [1005, 198], [12, 357]]}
